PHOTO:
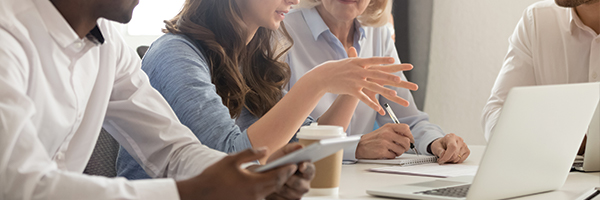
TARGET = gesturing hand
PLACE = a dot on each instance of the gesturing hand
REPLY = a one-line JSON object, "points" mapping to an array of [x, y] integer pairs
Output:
{"points": [[352, 75], [389, 141], [450, 149], [227, 180]]}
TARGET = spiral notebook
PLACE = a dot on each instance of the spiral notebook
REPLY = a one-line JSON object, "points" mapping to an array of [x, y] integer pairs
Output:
{"points": [[402, 160]]}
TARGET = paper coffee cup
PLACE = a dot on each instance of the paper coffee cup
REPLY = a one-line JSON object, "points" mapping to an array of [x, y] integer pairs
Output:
{"points": [[329, 169]]}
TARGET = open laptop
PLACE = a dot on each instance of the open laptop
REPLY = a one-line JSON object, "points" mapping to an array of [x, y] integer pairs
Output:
{"points": [[590, 162], [531, 150]]}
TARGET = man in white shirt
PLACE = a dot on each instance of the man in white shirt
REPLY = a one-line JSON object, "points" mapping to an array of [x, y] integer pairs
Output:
{"points": [[64, 73], [555, 42]]}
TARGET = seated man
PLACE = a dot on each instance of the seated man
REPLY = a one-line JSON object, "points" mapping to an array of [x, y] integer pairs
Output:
{"points": [[554, 43], [65, 73]]}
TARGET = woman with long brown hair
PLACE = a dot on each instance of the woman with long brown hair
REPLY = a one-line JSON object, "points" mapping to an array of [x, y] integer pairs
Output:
{"points": [[218, 66]]}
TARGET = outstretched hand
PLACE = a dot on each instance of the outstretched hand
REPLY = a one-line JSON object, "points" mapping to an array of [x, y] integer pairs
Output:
{"points": [[354, 76]]}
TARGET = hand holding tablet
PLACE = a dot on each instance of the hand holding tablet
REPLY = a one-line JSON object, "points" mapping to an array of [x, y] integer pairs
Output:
{"points": [[314, 152]]}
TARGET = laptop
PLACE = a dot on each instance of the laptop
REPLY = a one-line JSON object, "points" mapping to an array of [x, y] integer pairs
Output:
{"points": [[531, 150], [590, 162]]}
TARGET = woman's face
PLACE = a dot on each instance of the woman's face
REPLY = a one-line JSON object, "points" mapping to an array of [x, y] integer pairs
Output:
{"points": [[265, 13], [345, 10]]}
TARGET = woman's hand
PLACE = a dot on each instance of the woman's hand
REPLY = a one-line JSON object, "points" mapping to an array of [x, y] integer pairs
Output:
{"points": [[362, 78]]}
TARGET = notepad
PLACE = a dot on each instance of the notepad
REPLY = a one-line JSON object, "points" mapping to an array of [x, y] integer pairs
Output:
{"points": [[402, 160], [431, 170]]}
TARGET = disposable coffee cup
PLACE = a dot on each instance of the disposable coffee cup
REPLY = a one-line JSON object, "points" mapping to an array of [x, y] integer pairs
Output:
{"points": [[329, 169]]}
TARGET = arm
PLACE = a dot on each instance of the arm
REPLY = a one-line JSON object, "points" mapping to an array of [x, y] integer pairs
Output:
{"points": [[517, 70], [26, 169]]}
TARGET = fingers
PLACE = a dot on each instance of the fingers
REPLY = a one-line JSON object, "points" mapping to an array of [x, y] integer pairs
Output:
{"points": [[453, 152], [247, 155], [392, 68], [307, 169], [373, 61], [384, 78], [401, 129], [370, 102], [274, 179]]}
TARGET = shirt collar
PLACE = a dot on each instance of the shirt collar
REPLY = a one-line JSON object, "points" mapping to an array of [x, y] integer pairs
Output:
{"points": [[317, 26], [59, 28], [574, 21]]}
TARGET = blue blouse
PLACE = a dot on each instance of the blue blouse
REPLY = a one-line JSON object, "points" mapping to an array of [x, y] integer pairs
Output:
{"points": [[178, 69], [314, 44]]}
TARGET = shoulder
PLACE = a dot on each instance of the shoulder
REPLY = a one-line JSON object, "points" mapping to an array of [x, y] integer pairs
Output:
{"points": [[174, 47], [544, 10]]}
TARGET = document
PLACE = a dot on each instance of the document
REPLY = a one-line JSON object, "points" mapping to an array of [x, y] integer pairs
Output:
{"points": [[431, 170], [402, 160]]}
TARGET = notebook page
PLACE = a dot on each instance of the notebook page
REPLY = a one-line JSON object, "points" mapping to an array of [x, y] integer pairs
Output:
{"points": [[403, 160], [431, 170]]}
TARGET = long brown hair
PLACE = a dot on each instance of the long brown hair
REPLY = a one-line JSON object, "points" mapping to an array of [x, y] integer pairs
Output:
{"points": [[250, 76]]}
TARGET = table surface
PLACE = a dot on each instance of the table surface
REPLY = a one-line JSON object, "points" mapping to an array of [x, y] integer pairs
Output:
{"points": [[356, 180]]}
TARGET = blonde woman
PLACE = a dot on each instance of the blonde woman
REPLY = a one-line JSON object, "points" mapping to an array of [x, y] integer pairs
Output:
{"points": [[325, 30]]}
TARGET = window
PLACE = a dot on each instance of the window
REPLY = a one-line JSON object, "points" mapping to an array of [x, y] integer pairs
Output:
{"points": [[149, 15]]}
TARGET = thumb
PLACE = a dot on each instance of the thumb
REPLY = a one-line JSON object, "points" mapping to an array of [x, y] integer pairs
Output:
{"points": [[248, 155], [440, 157], [352, 52]]}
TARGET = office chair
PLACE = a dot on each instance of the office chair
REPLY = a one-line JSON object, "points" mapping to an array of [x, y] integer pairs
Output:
{"points": [[141, 50], [104, 156]]}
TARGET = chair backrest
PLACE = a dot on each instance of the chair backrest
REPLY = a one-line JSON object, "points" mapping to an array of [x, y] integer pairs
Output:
{"points": [[141, 50], [104, 156]]}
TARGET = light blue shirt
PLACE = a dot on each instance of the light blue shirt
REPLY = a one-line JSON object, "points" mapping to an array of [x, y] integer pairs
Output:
{"points": [[177, 68], [314, 44]]}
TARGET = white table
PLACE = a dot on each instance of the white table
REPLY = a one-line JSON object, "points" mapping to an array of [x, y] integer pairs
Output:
{"points": [[356, 180]]}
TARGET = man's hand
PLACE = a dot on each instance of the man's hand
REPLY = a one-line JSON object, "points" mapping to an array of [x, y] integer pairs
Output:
{"points": [[298, 184], [389, 141], [450, 149], [227, 180]]}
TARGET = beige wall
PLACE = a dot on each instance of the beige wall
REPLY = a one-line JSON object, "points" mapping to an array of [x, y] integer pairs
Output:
{"points": [[468, 45]]}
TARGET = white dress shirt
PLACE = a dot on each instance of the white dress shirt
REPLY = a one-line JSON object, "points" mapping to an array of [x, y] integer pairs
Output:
{"points": [[315, 44], [550, 45], [58, 90]]}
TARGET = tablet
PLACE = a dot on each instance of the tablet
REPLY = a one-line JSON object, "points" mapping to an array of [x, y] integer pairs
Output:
{"points": [[313, 152]]}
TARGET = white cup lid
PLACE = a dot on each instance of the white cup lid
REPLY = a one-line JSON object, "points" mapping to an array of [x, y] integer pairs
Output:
{"points": [[318, 132]]}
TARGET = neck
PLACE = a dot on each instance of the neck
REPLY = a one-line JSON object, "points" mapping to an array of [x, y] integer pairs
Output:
{"points": [[251, 32], [343, 30], [590, 15], [78, 14]]}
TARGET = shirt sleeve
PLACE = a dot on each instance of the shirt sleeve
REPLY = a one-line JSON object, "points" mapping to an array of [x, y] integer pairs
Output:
{"points": [[178, 70], [423, 131], [517, 70], [26, 169]]}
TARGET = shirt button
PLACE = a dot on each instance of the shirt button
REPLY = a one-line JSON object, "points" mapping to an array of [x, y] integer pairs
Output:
{"points": [[60, 156], [78, 45]]}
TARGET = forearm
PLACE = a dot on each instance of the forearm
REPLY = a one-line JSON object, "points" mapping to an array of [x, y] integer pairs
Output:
{"points": [[276, 127], [340, 112]]}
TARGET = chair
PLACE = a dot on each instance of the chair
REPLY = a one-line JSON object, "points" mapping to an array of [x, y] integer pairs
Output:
{"points": [[141, 50], [104, 156]]}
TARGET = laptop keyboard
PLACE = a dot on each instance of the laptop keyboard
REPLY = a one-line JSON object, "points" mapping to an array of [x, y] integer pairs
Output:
{"points": [[577, 164], [456, 191]]}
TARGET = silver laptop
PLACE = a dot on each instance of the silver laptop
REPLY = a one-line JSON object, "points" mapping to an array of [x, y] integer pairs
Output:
{"points": [[590, 161], [531, 150]]}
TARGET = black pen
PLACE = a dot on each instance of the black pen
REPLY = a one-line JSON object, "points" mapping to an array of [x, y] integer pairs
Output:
{"points": [[395, 120]]}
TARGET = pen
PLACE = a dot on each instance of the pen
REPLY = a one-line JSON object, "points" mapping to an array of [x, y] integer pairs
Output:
{"points": [[395, 120]]}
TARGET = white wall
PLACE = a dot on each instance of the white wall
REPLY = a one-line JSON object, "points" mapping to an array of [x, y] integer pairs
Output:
{"points": [[137, 40], [468, 43]]}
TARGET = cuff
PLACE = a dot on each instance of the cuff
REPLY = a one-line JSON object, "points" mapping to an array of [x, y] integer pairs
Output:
{"points": [[156, 189]]}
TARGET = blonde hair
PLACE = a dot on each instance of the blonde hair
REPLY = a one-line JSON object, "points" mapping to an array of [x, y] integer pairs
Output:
{"points": [[377, 12]]}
